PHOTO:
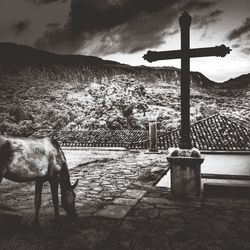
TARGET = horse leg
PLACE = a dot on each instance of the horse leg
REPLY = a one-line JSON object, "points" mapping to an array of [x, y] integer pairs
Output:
{"points": [[37, 203], [54, 191]]}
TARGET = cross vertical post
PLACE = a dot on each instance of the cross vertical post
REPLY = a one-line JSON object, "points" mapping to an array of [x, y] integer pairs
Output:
{"points": [[185, 22], [185, 53]]}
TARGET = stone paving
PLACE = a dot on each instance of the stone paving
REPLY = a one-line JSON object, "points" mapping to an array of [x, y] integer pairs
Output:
{"points": [[120, 208]]}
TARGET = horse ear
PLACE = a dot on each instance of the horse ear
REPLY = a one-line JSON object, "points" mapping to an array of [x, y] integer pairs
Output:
{"points": [[75, 184]]}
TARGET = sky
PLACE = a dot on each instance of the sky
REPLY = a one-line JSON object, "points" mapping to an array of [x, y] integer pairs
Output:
{"points": [[124, 30]]}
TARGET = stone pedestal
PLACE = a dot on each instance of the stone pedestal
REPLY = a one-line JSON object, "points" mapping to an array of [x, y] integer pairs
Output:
{"points": [[185, 167]]}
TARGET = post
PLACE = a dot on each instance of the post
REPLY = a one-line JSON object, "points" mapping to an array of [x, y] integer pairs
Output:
{"points": [[153, 136], [152, 119], [185, 22]]}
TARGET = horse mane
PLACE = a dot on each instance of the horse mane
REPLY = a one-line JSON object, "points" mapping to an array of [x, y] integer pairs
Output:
{"points": [[64, 173], [56, 144], [64, 176]]}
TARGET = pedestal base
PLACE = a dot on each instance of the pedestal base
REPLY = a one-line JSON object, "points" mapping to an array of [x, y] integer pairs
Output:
{"points": [[185, 172]]}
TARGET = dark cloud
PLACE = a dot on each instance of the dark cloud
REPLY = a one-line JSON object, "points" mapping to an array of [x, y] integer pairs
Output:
{"points": [[198, 5], [57, 39], [53, 26], [203, 21], [125, 25], [139, 33], [40, 2], [238, 32], [96, 15], [21, 26], [103, 27], [215, 13], [236, 45], [246, 50], [145, 31]]}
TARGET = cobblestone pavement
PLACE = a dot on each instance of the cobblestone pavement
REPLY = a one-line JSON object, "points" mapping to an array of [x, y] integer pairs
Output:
{"points": [[120, 208]]}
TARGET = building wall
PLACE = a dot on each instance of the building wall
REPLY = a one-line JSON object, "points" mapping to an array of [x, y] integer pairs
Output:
{"points": [[233, 164]]}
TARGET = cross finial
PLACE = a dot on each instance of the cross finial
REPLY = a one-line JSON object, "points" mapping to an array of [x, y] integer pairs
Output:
{"points": [[185, 19], [222, 50]]}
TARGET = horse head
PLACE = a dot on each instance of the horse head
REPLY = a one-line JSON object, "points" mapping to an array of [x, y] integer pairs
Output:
{"points": [[68, 200]]}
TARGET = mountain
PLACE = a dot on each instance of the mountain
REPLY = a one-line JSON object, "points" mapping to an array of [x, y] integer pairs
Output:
{"points": [[39, 89], [239, 82], [13, 54], [15, 57]]}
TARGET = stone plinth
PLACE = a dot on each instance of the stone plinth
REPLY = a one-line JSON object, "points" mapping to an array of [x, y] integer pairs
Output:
{"points": [[185, 172]]}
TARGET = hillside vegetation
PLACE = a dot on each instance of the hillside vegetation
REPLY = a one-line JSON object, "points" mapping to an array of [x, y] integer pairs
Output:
{"points": [[43, 90]]}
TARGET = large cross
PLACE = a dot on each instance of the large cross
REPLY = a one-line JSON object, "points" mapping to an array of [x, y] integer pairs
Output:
{"points": [[185, 54]]}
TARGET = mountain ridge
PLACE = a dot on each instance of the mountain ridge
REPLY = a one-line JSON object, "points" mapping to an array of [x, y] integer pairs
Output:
{"points": [[22, 55], [14, 57]]}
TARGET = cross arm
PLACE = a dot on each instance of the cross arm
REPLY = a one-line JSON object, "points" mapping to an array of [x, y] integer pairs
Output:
{"points": [[152, 56], [221, 50]]}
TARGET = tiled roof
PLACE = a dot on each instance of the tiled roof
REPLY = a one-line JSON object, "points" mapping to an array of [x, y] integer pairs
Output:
{"points": [[241, 120], [213, 133], [218, 133], [94, 137]]}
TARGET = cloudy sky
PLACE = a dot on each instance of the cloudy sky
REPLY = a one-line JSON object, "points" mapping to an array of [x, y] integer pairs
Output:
{"points": [[123, 30]]}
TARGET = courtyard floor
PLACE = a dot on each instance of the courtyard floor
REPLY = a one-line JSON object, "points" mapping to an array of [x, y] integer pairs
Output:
{"points": [[119, 207]]}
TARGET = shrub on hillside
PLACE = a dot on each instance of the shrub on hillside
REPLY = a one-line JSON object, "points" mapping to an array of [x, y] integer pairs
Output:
{"points": [[116, 123], [26, 128], [207, 110], [10, 128], [19, 114], [60, 121]]}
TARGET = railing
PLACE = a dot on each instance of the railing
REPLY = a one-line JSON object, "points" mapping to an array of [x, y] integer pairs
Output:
{"points": [[94, 144], [138, 145]]}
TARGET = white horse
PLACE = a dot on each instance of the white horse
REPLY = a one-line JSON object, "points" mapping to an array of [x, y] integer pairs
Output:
{"points": [[39, 160]]}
